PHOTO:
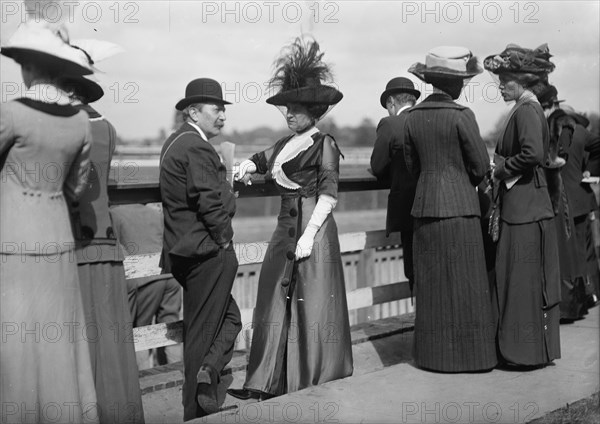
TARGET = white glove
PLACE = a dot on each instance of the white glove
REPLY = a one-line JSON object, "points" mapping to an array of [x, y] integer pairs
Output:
{"points": [[243, 171], [324, 206]]}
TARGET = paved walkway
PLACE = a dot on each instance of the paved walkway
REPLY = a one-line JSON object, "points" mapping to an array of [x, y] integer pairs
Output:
{"points": [[387, 387]]}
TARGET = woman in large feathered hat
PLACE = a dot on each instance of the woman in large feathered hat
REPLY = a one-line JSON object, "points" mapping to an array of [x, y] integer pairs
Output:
{"points": [[528, 290], [39, 286], [444, 149], [297, 287]]}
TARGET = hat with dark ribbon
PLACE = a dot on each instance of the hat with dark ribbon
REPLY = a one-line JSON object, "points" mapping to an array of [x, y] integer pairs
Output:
{"points": [[398, 85], [447, 62], [202, 90]]}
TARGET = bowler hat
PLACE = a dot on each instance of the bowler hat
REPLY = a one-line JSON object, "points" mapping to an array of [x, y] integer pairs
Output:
{"points": [[399, 85], [202, 90]]}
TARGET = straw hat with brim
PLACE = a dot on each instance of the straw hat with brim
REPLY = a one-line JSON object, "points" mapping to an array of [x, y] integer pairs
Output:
{"points": [[202, 90], [37, 43], [398, 85], [317, 94], [518, 59], [448, 62], [83, 87]]}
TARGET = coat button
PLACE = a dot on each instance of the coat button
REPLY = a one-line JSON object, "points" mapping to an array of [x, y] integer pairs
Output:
{"points": [[292, 232], [285, 282], [75, 204], [293, 212], [290, 255]]}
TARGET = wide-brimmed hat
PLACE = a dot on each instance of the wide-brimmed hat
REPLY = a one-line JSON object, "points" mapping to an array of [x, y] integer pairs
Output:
{"points": [[448, 62], [85, 87], [202, 90], [398, 85], [517, 59], [46, 46], [318, 94]]}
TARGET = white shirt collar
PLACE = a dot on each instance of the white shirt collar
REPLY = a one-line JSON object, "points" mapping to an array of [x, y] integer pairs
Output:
{"points": [[401, 109], [199, 130]]}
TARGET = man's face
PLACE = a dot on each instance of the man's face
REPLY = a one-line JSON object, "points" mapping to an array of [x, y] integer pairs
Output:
{"points": [[209, 117]]}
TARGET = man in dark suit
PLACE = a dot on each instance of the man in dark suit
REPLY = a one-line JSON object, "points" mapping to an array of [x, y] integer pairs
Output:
{"points": [[198, 205], [387, 164]]}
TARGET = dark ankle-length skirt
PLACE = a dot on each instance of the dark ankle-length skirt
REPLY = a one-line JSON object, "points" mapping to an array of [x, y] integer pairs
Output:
{"points": [[104, 297], [301, 334], [454, 325], [528, 290]]}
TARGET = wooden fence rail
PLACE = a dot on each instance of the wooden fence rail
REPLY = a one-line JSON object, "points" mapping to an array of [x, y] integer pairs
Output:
{"points": [[159, 335], [251, 254]]}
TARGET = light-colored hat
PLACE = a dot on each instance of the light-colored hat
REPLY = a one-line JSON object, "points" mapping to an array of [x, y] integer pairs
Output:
{"points": [[47, 46], [447, 62]]}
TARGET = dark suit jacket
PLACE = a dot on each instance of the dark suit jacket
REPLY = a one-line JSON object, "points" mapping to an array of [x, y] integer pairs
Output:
{"points": [[444, 149], [580, 195], [524, 147], [198, 202], [388, 164]]}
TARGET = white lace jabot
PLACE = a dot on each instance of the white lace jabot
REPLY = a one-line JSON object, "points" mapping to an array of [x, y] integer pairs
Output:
{"points": [[294, 146]]}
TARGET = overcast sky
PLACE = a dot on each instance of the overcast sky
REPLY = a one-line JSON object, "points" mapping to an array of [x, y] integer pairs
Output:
{"points": [[170, 43]]}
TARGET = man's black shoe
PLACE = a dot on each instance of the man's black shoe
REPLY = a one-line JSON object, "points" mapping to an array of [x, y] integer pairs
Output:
{"points": [[243, 394], [206, 392]]}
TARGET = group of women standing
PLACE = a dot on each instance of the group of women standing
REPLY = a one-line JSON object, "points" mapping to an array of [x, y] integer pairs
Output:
{"points": [[467, 320], [67, 355]]}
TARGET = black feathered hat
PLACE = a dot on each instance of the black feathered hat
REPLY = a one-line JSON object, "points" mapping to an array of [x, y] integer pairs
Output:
{"points": [[299, 76]]}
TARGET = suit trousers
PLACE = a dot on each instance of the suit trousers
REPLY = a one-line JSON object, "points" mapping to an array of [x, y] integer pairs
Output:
{"points": [[211, 318]]}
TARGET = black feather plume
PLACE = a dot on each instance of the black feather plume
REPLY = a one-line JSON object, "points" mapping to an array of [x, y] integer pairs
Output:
{"points": [[300, 65]]}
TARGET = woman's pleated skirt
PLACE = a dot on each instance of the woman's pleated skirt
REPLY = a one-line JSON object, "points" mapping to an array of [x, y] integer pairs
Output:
{"points": [[454, 325]]}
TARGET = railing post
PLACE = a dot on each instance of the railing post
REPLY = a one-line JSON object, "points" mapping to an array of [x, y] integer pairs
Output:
{"points": [[365, 271]]}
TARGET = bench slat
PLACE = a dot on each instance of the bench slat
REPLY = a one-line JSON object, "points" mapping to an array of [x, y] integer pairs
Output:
{"points": [[159, 335]]}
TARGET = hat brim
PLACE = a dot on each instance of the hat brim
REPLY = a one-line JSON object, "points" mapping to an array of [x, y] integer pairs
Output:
{"points": [[318, 95], [89, 90], [46, 60], [423, 72], [185, 102], [388, 92]]}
